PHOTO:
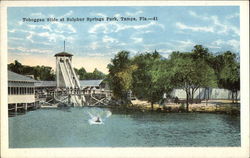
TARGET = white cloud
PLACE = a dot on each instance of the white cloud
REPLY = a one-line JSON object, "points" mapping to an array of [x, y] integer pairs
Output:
{"points": [[96, 54], [45, 27], [101, 26], [53, 37], [186, 42], [20, 23], [30, 50], [29, 37], [63, 27], [222, 27], [194, 28], [52, 32], [137, 39], [182, 45], [38, 15], [235, 30], [134, 14], [107, 39], [116, 27], [94, 45], [217, 25], [117, 15], [15, 38], [67, 14], [232, 44], [101, 14], [165, 52], [12, 31], [194, 14], [218, 42], [235, 15]]}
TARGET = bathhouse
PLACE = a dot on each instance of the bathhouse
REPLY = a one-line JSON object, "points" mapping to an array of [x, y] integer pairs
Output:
{"points": [[21, 93]]}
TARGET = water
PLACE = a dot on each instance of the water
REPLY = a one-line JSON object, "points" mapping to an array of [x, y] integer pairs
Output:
{"points": [[71, 128]]}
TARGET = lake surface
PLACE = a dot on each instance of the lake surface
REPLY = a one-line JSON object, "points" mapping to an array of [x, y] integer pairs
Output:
{"points": [[73, 128]]}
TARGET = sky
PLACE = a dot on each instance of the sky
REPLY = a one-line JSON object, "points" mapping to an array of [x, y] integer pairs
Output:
{"points": [[94, 43]]}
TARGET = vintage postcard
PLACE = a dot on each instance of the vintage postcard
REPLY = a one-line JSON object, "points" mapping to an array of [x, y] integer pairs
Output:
{"points": [[125, 79]]}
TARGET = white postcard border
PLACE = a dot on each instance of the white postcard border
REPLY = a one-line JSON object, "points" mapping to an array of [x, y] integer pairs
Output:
{"points": [[242, 151]]}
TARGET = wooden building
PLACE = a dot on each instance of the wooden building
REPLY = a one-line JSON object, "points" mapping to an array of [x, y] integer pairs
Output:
{"points": [[21, 93]]}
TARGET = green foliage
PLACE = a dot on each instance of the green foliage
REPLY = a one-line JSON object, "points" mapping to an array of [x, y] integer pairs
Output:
{"points": [[151, 78], [39, 72], [46, 73], [95, 75], [120, 75], [81, 73], [192, 71], [230, 73]]}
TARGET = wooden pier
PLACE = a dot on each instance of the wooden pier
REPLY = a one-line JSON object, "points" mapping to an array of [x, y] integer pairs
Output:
{"points": [[16, 107]]}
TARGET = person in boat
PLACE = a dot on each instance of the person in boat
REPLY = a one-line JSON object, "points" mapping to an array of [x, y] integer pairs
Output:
{"points": [[98, 119]]}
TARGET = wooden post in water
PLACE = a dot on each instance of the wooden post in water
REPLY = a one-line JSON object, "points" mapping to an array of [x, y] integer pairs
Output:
{"points": [[25, 106], [15, 107]]}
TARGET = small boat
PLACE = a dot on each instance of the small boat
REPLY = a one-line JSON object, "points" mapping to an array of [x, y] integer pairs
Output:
{"points": [[98, 119]]}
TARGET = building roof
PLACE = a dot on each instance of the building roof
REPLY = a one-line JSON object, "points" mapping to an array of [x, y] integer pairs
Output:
{"points": [[63, 54], [83, 83], [12, 76], [45, 84], [90, 83]]}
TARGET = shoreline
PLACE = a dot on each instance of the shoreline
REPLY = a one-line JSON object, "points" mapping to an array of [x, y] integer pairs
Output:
{"points": [[212, 106], [216, 107]]}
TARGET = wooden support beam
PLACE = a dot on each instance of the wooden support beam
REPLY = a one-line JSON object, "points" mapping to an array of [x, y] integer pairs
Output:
{"points": [[25, 106], [15, 107]]}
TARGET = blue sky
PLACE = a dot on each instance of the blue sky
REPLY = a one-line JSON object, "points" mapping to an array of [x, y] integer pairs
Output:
{"points": [[94, 43]]}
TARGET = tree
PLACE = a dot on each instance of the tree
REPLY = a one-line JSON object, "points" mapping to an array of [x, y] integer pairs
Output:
{"points": [[43, 73], [161, 81], [230, 74], [120, 75], [39, 72], [95, 75], [81, 73], [191, 73], [150, 79], [98, 74], [16, 67]]}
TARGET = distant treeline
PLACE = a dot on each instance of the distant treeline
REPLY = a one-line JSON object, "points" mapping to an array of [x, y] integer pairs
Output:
{"points": [[46, 73], [84, 75], [149, 75]]}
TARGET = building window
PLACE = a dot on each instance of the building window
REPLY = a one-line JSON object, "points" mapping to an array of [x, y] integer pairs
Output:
{"points": [[8, 90], [15, 90], [11, 90]]}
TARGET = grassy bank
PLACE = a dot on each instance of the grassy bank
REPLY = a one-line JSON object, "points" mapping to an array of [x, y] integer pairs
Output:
{"points": [[211, 106]]}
